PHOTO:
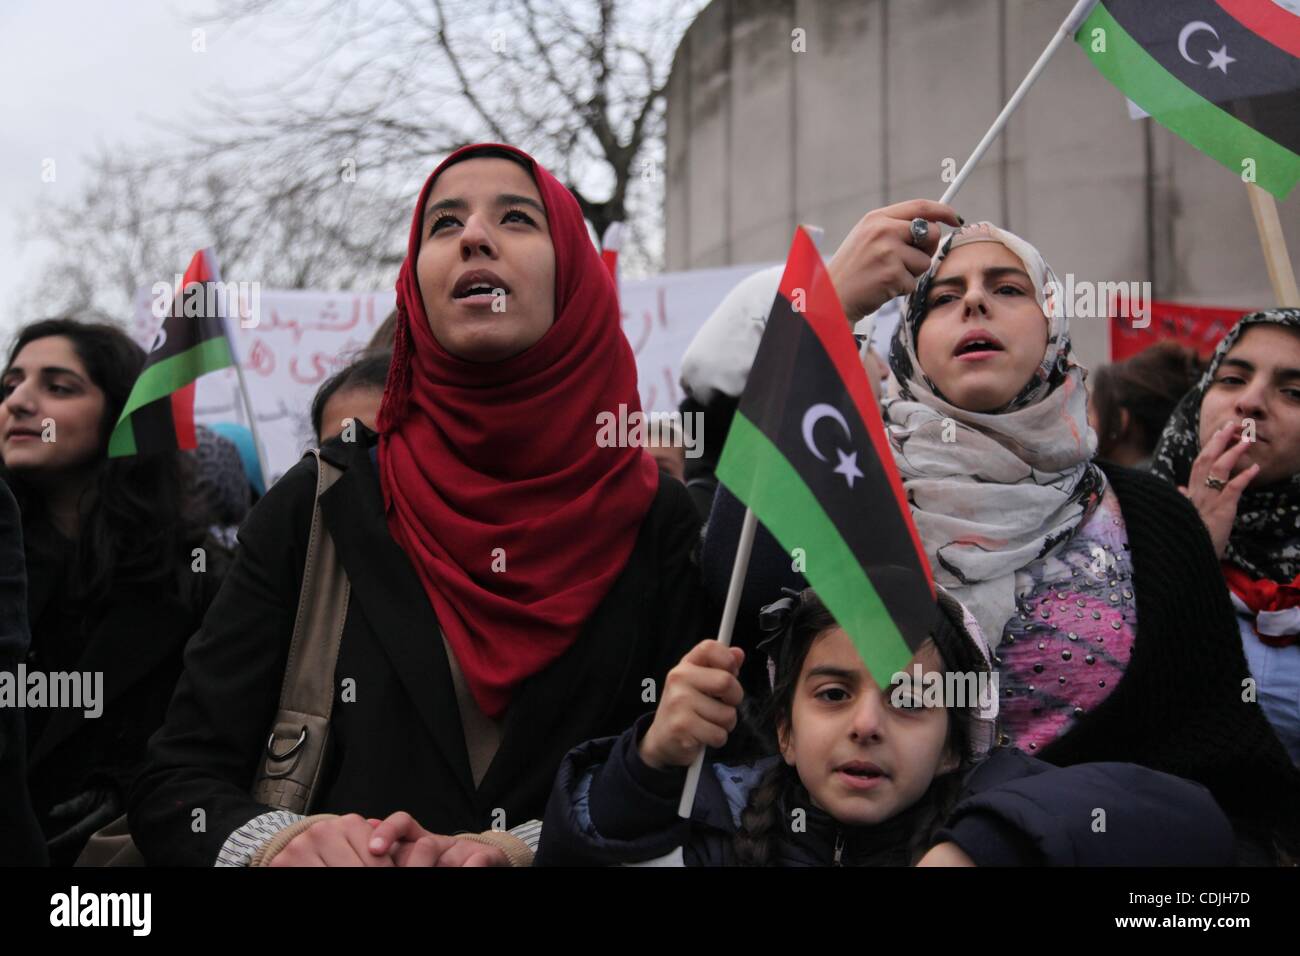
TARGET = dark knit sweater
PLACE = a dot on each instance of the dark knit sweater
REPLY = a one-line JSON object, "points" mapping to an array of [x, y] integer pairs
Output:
{"points": [[1179, 707]]}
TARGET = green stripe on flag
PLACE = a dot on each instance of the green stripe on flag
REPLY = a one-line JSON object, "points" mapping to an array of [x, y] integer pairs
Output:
{"points": [[759, 475], [160, 380], [1210, 129], [121, 444]]}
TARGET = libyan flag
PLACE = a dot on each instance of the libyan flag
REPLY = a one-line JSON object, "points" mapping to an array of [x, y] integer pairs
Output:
{"points": [[159, 412], [1222, 74], [807, 452]]}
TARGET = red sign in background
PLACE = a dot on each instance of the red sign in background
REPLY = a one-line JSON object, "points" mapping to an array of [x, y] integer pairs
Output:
{"points": [[1195, 326]]}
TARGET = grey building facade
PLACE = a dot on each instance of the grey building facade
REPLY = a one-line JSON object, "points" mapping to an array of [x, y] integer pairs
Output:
{"points": [[816, 111]]}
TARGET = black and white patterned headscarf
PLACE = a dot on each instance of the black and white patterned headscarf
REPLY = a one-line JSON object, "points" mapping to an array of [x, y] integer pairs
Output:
{"points": [[992, 492], [1265, 538]]}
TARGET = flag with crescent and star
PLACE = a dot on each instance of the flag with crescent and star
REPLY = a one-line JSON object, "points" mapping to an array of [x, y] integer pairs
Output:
{"points": [[159, 412], [807, 452], [1222, 74]]}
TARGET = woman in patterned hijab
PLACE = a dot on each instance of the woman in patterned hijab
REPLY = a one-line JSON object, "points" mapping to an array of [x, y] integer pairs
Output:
{"points": [[1233, 447], [1254, 517], [990, 429]]}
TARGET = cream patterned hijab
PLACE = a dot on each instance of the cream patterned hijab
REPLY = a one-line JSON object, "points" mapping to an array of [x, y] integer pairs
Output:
{"points": [[1007, 487]]}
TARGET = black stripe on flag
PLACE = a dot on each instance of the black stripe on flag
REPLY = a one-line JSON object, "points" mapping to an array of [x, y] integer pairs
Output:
{"points": [[1259, 86], [798, 375], [154, 427]]}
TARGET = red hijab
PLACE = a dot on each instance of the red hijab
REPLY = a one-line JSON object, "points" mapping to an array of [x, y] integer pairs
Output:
{"points": [[475, 457]]}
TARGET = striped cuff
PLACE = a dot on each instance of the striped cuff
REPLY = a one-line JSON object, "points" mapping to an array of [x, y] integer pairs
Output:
{"points": [[282, 838], [530, 833], [240, 846]]}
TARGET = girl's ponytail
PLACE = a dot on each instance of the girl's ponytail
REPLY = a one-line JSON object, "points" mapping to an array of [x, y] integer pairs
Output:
{"points": [[761, 819]]}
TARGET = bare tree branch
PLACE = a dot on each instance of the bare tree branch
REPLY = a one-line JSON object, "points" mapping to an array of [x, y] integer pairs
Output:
{"points": [[308, 181]]}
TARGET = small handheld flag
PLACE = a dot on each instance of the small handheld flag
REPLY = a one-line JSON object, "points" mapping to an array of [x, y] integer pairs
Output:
{"points": [[159, 412], [808, 454], [1222, 74], [807, 398]]}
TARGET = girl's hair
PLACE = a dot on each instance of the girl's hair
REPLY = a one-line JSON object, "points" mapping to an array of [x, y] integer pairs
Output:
{"points": [[762, 818], [135, 527], [369, 370], [1148, 386]]}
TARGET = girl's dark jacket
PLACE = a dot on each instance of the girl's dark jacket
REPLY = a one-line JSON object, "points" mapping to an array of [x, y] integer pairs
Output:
{"points": [[1183, 705], [396, 740], [608, 808]]}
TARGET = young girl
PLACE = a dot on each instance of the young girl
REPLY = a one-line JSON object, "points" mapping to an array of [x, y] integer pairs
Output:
{"points": [[862, 775]]}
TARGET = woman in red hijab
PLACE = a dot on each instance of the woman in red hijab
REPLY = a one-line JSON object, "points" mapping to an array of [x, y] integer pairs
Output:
{"points": [[517, 587]]}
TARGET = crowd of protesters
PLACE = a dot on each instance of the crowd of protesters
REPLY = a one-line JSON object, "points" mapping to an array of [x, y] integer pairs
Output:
{"points": [[526, 666]]}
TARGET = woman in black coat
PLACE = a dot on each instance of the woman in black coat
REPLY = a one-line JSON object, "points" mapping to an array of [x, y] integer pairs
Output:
{"points": [[114, 583], [21, 842], [519, 584]]}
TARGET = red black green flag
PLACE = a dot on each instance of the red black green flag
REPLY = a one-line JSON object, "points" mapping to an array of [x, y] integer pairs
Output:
{"points": [[1222, 74], [807, 451], [159, 413]]}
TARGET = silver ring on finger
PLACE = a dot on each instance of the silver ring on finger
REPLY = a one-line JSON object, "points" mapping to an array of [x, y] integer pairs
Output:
{"points": [[1217, 484], [920, 232]]}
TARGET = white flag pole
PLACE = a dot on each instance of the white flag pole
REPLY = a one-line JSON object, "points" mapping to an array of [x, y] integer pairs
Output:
{"points": [[243, 385], [252, 415], [728, 625], [1069, 27]]}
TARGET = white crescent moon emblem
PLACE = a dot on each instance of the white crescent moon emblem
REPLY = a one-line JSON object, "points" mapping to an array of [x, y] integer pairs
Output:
{"points": [[1186, 34], [815, 414]]}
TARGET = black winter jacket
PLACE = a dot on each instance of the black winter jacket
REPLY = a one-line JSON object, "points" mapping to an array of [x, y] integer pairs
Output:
{"points": [[398, 743], [609, 808]]}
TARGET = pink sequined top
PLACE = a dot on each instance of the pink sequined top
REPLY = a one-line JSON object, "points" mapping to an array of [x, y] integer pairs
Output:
{"points": [[1069, 642]]}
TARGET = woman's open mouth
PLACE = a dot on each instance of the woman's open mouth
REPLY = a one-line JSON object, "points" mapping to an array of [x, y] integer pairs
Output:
{"points": [[479, 287], [975, 346]]}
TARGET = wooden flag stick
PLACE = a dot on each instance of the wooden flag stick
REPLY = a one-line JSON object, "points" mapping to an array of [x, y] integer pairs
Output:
{"points": [[729, 610], [1280, 273]]}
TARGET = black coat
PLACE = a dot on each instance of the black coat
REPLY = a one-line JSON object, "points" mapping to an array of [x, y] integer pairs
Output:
{"points": [[400, 744], [608, 807], [1180, 706], [21, 842], [81, 768]]}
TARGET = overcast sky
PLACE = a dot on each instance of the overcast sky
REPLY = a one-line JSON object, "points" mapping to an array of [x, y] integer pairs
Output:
{"points": [[77, 73]]}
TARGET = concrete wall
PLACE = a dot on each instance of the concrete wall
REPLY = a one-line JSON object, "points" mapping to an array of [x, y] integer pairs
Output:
{"points": [[761, 138]]}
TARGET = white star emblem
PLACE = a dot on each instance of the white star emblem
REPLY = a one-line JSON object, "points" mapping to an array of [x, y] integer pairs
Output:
{"points": [[1219, 60], [848, 467]]}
